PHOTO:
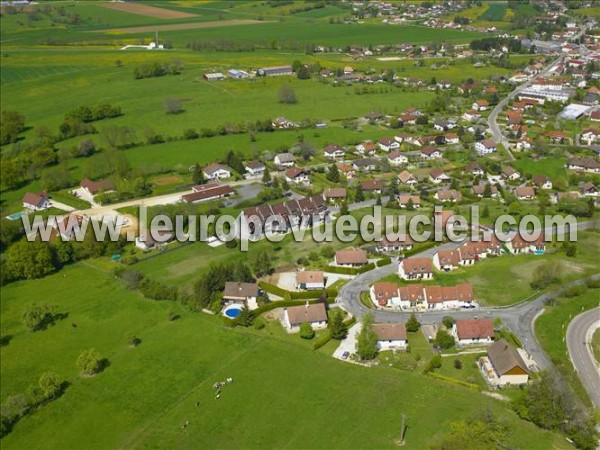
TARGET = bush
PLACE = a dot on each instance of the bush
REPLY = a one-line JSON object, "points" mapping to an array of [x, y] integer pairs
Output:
{"points": [[306, 331], [384, 262], [434, 363], [458, 364], [413, 325], [448, 321], [37, 317], [443, 340], [322, 340]]}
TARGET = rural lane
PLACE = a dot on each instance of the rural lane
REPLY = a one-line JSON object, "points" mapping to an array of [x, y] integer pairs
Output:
{"points": [[579, 334]]}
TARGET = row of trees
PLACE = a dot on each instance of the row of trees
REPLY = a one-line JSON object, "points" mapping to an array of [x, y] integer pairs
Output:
{"points": [[92, 113], [157, 69]]}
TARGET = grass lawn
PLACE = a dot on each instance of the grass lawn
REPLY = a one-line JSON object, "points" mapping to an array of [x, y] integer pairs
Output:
{"points": [[469, 371], [596, 344], [146, 393], [551, 329], [551, 167], [491, 276]]}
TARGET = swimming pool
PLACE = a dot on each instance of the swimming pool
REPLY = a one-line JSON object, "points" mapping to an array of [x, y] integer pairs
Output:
{"points": [[232, 311], [17, 215]]}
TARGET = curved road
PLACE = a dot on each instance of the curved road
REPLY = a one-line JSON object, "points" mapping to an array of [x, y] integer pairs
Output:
{"points": [[579, 334]]}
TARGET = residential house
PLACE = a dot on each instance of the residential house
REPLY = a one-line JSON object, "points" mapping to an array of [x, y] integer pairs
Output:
{"points": [[217, 171], [394, 243], [473, 331], [384, 293], [352, 257], [589, 189], [518, 244], [335, 195], [446, 260], [372, 186], [452, 138], [448, 297], [525, 193], [206, 192], [437, 176], [281, 123], [315, 315], [366, 148], [334, 151], [395, 158], [254, 169], [485, 147], [406, 200], [416, 269], [471, 115], [475, 170], [387, 143], [310, 280], [510, 173], [479, 190], [407, 178], [347, 170], [36, 201], [296, 175], [448, 195], [390, 336], [94, 187], [431, 153], [480, 105], [503, 365], [595, 116], [590, 136], [365, 164], [242, 293], [542, 182], [524, 143], [440, 125], [284, 160], [558, 137], [584, 165], [514, 117]]}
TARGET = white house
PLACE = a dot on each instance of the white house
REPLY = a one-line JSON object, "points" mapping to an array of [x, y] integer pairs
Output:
{"points": [[284, 160], [590, 136], [438, 176], [390, 336], [333, 151], [542, 182], [396, 158], [387, 143], [485, 147], [242, 293], [295, 175], [315, 315], [384, 293], [310, 280], [254, 169], [217, 171], [416, 269], [36, 201], [473, 331], [431, 153]]}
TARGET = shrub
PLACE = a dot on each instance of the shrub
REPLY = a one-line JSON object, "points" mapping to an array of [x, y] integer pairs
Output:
{"points": [[306, 331], [458, 364], [434, 363], [90, 362], [448, 321], [412, 325], [384, 262]]}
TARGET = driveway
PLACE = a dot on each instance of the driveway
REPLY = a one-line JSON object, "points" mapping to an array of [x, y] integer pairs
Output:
{"points": [[348, 344], [62, 206]]}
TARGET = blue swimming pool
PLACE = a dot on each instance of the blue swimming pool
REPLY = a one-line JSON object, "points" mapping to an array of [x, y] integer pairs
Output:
{"points": [[232, 311], [17, 215]]}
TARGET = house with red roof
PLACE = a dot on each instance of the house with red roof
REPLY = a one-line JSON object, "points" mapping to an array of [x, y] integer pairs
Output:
{"points": [[36, 201], [473, 331]]}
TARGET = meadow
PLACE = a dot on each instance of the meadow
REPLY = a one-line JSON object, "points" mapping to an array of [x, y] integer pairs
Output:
{"points": [[280, 389]]}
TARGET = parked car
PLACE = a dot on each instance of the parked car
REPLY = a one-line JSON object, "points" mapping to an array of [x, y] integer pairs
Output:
{"points": [[345, 355]]}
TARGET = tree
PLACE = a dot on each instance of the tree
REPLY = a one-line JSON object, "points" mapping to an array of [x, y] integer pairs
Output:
{"points": [[434, 363], [11, 124], [359, 194], [307, 150], [306, 331], [29, 260], [546, 274], [198, 174], [287, 95], [245, 318], [173, 105], [266, 179], [333, 174], [366, 341], [262, 263], [303, 73], [410, 205], [448, 321], [486, 212], [344, 210], [458, 364], [51, 385], [90, 362], [337, 327], [412, 325], [443, 340], [37, 317]]}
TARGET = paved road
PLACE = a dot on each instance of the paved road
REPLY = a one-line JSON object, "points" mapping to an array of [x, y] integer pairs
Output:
{"points": [[579, 334]]}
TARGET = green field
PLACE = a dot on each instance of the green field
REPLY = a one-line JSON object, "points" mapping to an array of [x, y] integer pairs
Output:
{"points": [[490, 277], [596, 345], [551, 328], [494, 12], [146, 394]]}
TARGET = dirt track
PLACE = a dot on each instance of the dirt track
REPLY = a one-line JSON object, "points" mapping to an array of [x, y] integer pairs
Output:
{"points": [[150, 11], [182, 26]]}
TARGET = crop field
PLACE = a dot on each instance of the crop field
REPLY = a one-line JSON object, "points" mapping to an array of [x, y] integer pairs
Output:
{"points": [[182, 26], [494, 12], [146, 10], [125, 407]]}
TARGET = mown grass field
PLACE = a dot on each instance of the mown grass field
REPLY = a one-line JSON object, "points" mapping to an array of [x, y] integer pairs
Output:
{"points": [[145, 395], [551, 329], [490, 277]]}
